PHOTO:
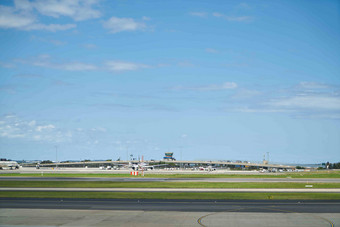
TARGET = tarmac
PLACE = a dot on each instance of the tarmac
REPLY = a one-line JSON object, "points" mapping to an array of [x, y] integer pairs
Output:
{"points": [[259, 190], [149, 213], [150, 179], [109, 212]]}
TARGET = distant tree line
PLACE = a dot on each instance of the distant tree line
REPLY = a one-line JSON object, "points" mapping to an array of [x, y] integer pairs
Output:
{"points": [[333, 165], [329, 165]]}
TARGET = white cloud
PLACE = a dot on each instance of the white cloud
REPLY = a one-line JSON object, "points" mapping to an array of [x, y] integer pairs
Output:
{"points": [[307, 99], [22, 20], [217, 14], [146, 18], [6, 65], [233, 18], [319, 102], [10, 19], [78, 10], [239, 19], [313, 85], [23, 15], [44, 61], [211, 87], [15, 128], [115, 25], [211, 50], [52, 41], [76, 66], [50, 27], [99, 129], [198, 14], [32, 123], [185, 64], [243, 6], [124, 66], [89, 46], [44, 127]]}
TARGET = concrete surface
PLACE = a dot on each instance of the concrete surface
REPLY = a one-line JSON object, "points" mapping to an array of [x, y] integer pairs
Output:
{"points": [[273, 190], [150, 179], [55, 217], [184, 205]]}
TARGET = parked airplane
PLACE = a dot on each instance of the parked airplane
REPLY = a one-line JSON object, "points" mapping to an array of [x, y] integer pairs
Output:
{"points": [[208, 168], [9, 165], [141, 165]]}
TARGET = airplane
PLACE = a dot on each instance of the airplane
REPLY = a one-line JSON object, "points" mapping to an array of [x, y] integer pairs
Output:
{"points": [[208, 168], [141, 165], [9, 164]]}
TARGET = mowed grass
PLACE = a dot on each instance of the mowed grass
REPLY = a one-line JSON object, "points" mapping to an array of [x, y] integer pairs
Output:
{"points": [[162, 195], [313, 174], [101, 184]]}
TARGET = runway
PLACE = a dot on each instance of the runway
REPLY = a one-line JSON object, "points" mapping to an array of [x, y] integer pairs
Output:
{"points": [[225, 190], [148, 179], [276, 206], [167, 213]]}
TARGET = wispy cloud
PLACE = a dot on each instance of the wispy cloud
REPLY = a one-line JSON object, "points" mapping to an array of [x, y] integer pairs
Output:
{"points": [[52, 41], [45, 61], [89, 46], [198, 14], [8, 88], [78, 10], [243, 6], [233, 18], [313, 102], [28, 76], [308, 99], [313, 85], [116, 24], [210, 87], [211, 50], [16, 18], [50, 27], [119, 66], [6, 65], [12, 127], [185, 64], [23, 15], [31, 130]]}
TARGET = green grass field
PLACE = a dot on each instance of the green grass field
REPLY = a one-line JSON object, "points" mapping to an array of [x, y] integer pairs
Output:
{"points": [[101, 184], [315, 174], [162, 195]]}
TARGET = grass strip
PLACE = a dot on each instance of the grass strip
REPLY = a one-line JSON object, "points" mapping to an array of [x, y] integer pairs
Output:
{"points": [[316, 174], [101, 184], [163, 195]]}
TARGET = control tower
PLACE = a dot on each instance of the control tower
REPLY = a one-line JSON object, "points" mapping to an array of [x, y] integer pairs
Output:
{"points": [[169, 156]]}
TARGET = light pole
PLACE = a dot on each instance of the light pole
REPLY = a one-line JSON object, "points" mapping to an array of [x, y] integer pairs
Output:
{"points": [[181, 150], [56, 156], [268, 157]]}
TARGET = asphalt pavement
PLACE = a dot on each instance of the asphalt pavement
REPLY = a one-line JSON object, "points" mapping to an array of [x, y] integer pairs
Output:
{"points": [[148, 179], [275, 206], [174, 190]]}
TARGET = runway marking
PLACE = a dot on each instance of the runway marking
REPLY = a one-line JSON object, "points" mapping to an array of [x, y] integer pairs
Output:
{"points": [[307, 214], [199, 221]]}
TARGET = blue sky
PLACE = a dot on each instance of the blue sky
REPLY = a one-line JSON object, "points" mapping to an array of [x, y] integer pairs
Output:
{"points": [[207, 80]]}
